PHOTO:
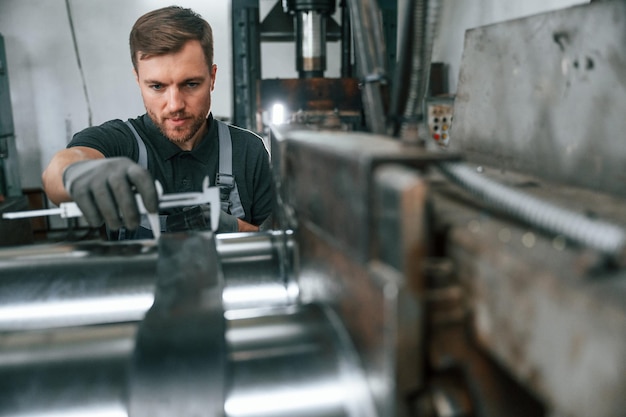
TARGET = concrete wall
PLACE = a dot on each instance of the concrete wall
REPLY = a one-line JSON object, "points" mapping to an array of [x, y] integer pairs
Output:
{"points": [[460, 15], [53, 97]]}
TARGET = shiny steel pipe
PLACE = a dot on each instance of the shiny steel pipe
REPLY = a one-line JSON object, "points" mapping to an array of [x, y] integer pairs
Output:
{"points": [[259, 269], [51, 286], [80, 371], [293, 362], [297, 362], [188, 355], [310, 19], [310, 44]]}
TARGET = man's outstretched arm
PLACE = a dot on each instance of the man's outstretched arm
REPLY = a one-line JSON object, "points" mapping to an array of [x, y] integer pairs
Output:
{"points": [[103, 188], [52, 177]]}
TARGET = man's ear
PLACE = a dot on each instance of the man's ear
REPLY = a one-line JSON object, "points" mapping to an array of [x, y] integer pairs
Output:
{"points": [[136, 75], [213, 73]]}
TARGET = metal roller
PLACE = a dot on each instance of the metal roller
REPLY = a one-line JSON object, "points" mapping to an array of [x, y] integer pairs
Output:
{"points": [[310, 18], [62, 285], [258, 267], [77, 371], [297, 362], [48, 286], [186, 357], [294, 362]]}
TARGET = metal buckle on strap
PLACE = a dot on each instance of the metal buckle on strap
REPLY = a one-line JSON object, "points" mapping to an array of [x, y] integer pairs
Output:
{"points": [[225, 180]]}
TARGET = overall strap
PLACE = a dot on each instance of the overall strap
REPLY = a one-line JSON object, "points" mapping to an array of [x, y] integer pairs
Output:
{"points": [[143, 161], [143, 153], [229, 194]]}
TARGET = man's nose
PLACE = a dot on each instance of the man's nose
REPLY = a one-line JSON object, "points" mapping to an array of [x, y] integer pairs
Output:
{"points": [[175, 100]]}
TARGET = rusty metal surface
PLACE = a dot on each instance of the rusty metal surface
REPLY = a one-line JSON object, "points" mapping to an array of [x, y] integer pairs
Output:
{"points": [[549, 313], [371, 313], [545, 95], [311, 94], [357, 205], [319, 103], [465, 379], [512, 316], [326, 178], [402, 243], [400, 220]]}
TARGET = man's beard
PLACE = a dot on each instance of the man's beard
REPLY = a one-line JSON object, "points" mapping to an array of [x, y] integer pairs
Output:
{"points": [[182, 135]]}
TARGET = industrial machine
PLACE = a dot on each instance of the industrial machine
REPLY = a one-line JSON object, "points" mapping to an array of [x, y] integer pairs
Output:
{"points": [[402, 278], [11, 196], [311, 99]]}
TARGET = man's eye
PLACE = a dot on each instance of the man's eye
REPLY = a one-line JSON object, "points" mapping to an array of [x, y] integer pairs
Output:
{"points": [[156, 87], [192, 84]]}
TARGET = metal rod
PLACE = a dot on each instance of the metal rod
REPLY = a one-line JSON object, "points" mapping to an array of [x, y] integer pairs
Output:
{"points": [[370, 56], [46, 286], [301, 360]]}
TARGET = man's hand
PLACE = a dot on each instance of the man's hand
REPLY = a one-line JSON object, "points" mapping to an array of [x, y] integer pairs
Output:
{"points": [[104, 190], [228, 223]]}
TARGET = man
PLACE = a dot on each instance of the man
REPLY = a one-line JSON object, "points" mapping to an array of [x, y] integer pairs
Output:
{"points": [[172, 55]]}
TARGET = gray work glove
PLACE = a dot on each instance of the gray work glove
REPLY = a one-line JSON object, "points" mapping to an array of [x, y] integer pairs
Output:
{"points": [[228, 223], [199, 218], [104, 190]]}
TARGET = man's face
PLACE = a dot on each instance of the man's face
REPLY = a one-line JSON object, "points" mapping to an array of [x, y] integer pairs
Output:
{"points": [[176, 90]]}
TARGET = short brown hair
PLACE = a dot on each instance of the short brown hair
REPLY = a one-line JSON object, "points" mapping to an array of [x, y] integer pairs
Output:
{"points": [[165, 31]]}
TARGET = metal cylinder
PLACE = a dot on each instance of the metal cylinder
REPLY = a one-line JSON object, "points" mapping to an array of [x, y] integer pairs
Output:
{"points": [[293, 362], [47, 286], [310, 44], [161, 365], [76, 371], [52, 286], [186, 355], [296, 362], [259, 269], [310, 23]]}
